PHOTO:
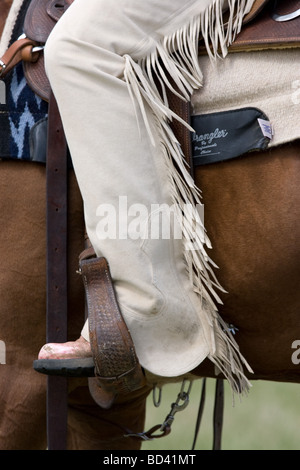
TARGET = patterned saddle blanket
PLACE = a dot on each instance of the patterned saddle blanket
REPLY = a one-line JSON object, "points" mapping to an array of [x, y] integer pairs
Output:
{"points": [[23, 115]]}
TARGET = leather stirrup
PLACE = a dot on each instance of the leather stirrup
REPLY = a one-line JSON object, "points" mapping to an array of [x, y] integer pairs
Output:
{"points": [[117, 369]]}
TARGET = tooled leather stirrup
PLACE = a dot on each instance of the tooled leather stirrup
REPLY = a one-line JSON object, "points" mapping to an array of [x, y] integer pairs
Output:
{"points": [[117, 369]]}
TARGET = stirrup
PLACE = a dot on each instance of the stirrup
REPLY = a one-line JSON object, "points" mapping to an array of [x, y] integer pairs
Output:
{"points": [[76, 367], [117, 368]]}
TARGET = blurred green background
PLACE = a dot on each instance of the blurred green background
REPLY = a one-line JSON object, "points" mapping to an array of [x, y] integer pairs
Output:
{"points": [[267, 419]]}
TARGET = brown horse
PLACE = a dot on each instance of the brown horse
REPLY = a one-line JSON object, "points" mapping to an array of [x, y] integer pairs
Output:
{"points": [[254, 228]]}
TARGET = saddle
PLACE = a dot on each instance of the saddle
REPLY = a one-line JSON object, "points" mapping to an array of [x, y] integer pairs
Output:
{"points": [[40, 19], [117, 371], [259, 32]]}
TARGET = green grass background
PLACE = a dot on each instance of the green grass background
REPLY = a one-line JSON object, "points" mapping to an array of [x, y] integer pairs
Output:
{"points": [[267, 419]]}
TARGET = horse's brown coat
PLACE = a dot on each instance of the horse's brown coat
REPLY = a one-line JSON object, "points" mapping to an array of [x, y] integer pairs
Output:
{"points": [[252, 217], [22, 323]]}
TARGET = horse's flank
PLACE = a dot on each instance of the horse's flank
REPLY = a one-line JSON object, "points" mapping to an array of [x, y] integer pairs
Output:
{"points": [[252, 217]]}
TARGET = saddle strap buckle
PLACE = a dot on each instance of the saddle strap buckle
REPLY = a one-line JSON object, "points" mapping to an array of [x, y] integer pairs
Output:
{"points": [[184, 397], [165, 428]]}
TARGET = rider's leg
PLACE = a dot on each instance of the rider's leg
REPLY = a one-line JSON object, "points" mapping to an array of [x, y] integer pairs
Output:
{"points": [[99, 57], [121, 173]]}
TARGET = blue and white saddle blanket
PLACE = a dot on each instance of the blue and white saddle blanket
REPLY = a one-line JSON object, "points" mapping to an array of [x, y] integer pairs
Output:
{"points": [[23, 115]]}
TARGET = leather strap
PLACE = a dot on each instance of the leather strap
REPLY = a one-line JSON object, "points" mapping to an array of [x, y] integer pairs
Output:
{"points": [[218, 414], [56, 171], [200, 412], [265, 33], [20, 50], [182, 133], [257, 6], [117, 368]]}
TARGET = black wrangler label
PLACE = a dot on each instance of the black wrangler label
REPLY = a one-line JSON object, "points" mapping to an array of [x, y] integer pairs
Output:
{"points": [[229, 134]]}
